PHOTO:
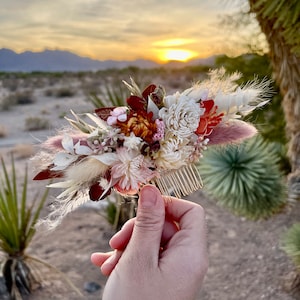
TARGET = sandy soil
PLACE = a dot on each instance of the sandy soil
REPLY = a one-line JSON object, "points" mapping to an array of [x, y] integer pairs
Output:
{"points": [[246, 260]]}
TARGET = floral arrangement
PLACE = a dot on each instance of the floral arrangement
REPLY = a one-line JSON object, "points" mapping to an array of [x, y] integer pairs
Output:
{"points": [[156, 138]]}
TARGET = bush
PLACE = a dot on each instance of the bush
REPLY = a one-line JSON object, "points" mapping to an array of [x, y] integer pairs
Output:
{"points": [[64, 92], [22, 98], [245, 178], [5, 103], [49, 93], [36, 123], [3, 131], [291, 244]]}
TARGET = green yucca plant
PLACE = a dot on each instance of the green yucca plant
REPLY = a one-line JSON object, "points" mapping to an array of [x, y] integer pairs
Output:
{"points": [[18, 218], [17, 228], [291, 244], [110, 95], [245, 178]]}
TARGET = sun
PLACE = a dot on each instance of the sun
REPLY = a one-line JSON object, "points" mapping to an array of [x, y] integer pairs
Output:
{"points": [[176, 54]]}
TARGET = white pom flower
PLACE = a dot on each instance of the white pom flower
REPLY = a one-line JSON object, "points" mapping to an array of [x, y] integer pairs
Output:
{"points": [[181, 115], [173, 153], [132, 142]]}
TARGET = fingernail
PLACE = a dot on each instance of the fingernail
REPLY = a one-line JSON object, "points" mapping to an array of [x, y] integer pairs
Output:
{"points": [[148, 197]]}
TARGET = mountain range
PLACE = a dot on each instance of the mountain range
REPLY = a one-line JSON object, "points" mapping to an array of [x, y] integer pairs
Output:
{"points": [[58, 61]]}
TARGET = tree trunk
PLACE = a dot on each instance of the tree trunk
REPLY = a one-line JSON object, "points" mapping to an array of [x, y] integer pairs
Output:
{"points": [[286, 66]]}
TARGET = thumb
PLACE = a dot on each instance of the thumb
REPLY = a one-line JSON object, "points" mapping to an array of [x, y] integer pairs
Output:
{"points": [[149, 223]]}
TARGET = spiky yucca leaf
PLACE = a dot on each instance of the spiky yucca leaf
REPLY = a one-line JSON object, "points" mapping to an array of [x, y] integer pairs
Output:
{"points": [[110, 95], [245, 178], [17, 228], [291, 244], [18, 218]]}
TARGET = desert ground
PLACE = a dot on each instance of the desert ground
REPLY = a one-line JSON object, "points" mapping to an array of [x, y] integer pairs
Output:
{"points": [[246, 259]]}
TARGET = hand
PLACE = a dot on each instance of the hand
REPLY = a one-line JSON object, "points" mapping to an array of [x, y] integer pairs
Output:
{"points": [[160, 254]]}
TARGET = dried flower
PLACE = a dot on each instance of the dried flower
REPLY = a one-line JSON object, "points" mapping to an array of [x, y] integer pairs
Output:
{"points": [[181, 115], [131, 170], [157, 139]]}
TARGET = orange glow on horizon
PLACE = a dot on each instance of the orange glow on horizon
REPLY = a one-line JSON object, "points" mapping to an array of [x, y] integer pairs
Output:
{"points": [[176, 54]]}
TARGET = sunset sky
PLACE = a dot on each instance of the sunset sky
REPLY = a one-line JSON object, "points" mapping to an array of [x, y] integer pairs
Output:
{"points": [[160, 30]]}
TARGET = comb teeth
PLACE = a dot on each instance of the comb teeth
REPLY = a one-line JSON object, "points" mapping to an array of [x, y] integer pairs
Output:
{"points": [[181, 182]]}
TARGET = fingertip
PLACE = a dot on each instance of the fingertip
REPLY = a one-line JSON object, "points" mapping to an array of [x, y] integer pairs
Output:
{"points": [[96, 258], [120, 240], [150, 197]]}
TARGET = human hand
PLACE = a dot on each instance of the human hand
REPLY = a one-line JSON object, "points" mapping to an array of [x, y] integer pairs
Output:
{"points": [[160, 254]]}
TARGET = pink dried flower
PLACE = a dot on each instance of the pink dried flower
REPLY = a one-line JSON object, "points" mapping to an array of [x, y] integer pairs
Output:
{"points": [[132, 169], [117, 114], [160, 130]]}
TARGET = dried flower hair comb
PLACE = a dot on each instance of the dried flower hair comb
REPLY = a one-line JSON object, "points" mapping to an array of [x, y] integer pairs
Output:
{"points": [[156, 139]]}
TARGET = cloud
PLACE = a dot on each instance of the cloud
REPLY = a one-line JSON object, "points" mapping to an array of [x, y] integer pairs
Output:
{"points": [[110, 25]]}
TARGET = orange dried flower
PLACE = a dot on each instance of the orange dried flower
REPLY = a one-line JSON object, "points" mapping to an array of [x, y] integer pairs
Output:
{"points": [[141, 124]]}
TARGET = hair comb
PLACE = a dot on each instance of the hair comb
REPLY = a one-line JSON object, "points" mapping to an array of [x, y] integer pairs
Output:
{"points": [[156, 138]]}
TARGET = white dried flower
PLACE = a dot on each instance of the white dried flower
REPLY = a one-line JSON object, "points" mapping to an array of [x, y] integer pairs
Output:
{"points": [[174, 153], [132, 142], [181, 115]]}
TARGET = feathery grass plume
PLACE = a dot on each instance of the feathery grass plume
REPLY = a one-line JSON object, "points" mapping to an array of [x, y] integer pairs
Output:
{"points": [[291, 244], [245, 178]]}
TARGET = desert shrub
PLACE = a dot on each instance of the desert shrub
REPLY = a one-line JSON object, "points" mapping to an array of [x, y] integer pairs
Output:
{"points": [[23, 150], [291, 244], [62, 114], [12, 84], [22, 98], [36, 123], [44, 112], [3, 131], [64, 92], [49, 92], [245, 178], [5, 103]]}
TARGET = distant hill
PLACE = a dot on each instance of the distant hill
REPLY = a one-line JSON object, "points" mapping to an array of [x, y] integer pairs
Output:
{"points": [[58, 61]]}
